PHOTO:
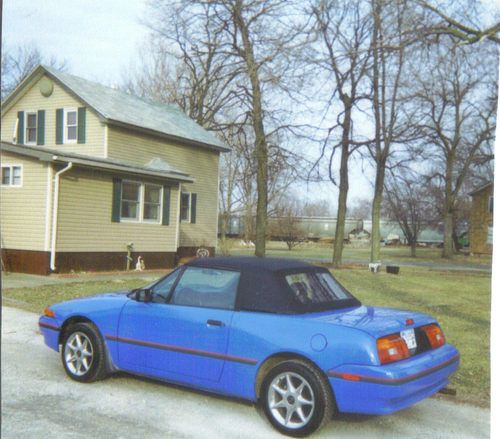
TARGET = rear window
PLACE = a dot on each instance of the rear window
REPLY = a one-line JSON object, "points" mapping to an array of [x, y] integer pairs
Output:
{"points": [[316, 287]]}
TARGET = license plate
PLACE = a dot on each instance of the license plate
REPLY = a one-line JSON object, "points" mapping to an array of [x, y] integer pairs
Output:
{"points": [[408, 335]]}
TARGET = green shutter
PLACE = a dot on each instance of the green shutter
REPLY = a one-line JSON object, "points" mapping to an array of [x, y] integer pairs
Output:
{"points": [[117, 198], [20, 127], [193, 208], [81, 124], [40, 129], [166, 206], [59, 125]]}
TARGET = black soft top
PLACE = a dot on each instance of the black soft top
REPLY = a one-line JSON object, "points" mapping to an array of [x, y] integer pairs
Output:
{"points": [[263, 288], [251, 263]]}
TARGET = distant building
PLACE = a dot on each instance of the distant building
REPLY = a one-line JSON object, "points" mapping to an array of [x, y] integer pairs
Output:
{"points": [[481, 220]]}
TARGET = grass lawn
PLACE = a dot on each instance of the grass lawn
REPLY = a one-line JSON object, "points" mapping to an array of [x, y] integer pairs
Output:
{"points": [[388, 253], [460, 301], [36, 299]]}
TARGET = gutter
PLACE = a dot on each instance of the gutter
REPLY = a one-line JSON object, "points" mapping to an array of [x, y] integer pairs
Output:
{"points": [[54, 214]]}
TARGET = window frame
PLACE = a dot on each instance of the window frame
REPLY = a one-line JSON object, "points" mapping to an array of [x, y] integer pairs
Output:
{"points": [[66, 139], [141, 203], [26, 128], [11, 176], [188, 220], [160, 203]]}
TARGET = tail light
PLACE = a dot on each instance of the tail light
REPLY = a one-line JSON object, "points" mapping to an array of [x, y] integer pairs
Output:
{"points": [[434, 335], [392, 348]]}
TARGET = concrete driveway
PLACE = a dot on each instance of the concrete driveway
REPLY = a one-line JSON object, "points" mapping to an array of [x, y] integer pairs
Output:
{"points": [[38, 400]]}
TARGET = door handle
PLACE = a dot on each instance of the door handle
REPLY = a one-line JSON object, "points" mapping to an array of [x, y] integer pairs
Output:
{"points": [[214, 323]]}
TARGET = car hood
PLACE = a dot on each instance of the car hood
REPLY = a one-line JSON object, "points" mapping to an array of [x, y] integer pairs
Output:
{"points": [[82, 305], [373, 320]]}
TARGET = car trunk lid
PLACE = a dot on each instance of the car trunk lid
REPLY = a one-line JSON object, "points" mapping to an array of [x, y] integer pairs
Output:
{"points": [[375, 321]]}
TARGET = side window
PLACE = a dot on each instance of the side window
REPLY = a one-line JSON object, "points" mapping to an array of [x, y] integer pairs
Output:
{"points": [[12, 175], [71, 125], [185, 206], [162, 289], [31, 128], [207, 288]]}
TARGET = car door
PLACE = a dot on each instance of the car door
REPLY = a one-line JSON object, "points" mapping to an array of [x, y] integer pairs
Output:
{"points": [[187, 337], [136, 324]]}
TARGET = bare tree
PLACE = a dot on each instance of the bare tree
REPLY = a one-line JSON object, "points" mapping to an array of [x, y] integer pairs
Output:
{"points": [[286, 225], [393, 126], [458, 100], [343, 31], [258, 40], [317, 208], [360, 208], [183, 64], [463, 28], [18, 62], [408, 203]]}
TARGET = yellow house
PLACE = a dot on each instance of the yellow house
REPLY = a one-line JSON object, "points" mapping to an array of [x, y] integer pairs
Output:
{"points": [[481, 221], [88, 170]]}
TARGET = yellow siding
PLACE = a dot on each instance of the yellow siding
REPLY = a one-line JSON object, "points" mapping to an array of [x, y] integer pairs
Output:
{"points": [[199, 163], [23, 215], [33, 100], [85, 204]]}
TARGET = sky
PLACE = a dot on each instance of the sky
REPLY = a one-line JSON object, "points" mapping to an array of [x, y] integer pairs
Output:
{"points": [[98, 38]]}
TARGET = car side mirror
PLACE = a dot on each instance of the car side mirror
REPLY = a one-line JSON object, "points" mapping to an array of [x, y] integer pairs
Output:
{"points": [[148, 295]]}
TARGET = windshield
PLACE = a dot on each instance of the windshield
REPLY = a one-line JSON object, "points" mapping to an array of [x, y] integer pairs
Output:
{"points": [[316, 287]]}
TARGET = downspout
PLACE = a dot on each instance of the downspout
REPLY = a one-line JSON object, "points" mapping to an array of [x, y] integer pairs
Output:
{"points": [[55, 204]]}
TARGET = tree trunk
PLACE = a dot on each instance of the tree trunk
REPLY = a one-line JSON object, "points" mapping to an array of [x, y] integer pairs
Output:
{"points": [[260, 137], [338, 245], [413, 249], [376, 208], [379, 179], [448, 233], [249, 229], [224, 226], [448, 208], [456, 242]]}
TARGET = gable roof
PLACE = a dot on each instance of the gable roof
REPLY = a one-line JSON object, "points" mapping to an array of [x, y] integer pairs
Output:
{"points": [[52, 155], [117, 107]]}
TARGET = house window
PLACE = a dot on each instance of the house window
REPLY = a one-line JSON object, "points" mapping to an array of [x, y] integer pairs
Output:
{"points": [[141, 202], [12, 176], [185, 206], [131, 200], [71, 125], [31, 128], [490, 204], [152, 203]]}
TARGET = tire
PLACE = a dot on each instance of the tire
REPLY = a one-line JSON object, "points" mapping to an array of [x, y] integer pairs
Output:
{"points": [[281, 389], [83, 353]]}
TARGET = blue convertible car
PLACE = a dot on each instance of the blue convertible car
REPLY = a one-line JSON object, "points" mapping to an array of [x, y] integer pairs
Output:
{"points": [[280, 332]]}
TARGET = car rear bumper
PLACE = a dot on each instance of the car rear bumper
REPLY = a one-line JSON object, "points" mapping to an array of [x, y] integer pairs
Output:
{"points": [[385, 389], [50, 330]]}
